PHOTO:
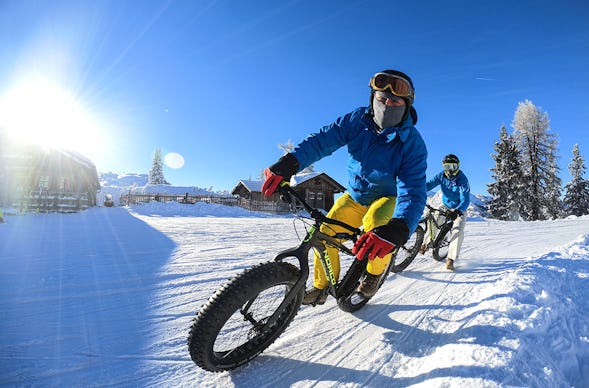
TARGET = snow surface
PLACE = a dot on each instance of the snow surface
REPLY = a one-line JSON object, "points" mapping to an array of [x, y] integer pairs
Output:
{"points": [[106, 297]]}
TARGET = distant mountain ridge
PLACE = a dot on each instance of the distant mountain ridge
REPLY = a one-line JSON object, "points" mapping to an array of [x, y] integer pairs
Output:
{"points": [[120, 180], [476, 209]]}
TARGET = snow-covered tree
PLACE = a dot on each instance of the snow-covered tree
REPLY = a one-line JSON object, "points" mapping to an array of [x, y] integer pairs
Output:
{"points": [[505, 190], [289, 147], [576, 198], [537, 148], [553, 206], [156, 174]]}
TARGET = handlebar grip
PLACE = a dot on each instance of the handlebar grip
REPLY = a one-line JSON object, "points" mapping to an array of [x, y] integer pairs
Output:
{"points": [[284, 189]]}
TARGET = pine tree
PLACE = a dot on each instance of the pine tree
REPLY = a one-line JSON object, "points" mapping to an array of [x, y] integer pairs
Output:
{"points": [[553, 206], [156, 174], [537, 149], [576, 198], [504, 191]]}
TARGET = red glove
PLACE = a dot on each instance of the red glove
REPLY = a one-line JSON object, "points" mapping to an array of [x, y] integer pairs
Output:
{"points": [[271, 183], [372, 246], [382, 240], [282, 170]]}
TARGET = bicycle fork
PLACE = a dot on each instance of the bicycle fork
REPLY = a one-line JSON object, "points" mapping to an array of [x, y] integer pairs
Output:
{"points": [[301, 253], [431, 231]]}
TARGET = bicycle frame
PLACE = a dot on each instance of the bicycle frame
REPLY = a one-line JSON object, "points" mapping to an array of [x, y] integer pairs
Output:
{"points": [[317, 240], [254, 308], [431, 226]]}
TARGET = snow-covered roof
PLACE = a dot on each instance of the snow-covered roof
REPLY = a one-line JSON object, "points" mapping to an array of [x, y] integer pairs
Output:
{"points": [[26, 149], [79, 158], [252, 185], [301, 178]]}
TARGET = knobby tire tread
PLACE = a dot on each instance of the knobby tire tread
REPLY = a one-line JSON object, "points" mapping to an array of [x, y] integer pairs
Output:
{"points": [[353, 301], [230, 298], [348, 287]]}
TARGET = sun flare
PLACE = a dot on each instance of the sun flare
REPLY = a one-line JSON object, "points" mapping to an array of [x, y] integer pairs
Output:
{"points": [[41, 111]]}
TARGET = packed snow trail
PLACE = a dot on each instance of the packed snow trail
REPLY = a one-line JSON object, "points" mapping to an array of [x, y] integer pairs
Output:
{"points": [[106, 297]]}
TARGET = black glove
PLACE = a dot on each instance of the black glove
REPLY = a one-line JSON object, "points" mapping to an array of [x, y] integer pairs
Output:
{"points": [[381, 240], [455, 213], [284, 169]]}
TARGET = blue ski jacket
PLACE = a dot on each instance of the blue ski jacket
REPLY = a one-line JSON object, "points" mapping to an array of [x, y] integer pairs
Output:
{"points": [[390, 163], [455, 190]]}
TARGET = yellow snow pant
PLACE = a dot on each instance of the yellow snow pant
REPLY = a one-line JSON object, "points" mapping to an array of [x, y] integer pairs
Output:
{"points": [[347, 210]]}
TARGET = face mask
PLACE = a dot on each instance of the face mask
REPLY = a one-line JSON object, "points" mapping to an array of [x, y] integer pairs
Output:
{"points": [[386, 116]]}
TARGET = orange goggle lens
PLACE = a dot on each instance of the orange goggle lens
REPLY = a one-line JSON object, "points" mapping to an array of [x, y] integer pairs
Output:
{"points": [[396, 85]]}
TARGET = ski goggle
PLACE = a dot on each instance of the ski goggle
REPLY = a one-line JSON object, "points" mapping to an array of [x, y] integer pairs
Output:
{"points": [[395, 84], [384, 97], [450, 167]]}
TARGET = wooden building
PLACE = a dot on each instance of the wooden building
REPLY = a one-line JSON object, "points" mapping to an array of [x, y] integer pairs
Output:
{"points": [[317, 188], [37, 178]]}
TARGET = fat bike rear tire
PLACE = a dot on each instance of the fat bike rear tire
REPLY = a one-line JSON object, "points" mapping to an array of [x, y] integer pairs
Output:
{"points": [[223, 336], [352, 300]]}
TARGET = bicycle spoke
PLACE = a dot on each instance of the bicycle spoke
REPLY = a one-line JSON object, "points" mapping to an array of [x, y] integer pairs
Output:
{"points": [[246, 322]]}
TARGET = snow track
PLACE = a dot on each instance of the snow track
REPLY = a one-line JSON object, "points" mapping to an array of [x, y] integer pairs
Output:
{"points": [[117, 300]]}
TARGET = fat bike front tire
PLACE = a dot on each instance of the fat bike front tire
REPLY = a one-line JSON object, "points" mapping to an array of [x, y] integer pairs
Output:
{"points": [[228, 330], [407, 253], [442, 244]]}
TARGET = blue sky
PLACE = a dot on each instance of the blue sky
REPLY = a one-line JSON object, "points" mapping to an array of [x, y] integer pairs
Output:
{"points": [[222, 83]]}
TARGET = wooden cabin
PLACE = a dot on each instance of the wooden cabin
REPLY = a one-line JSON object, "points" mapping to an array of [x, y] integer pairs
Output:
{"points": [[317, 188], [37, 178]]}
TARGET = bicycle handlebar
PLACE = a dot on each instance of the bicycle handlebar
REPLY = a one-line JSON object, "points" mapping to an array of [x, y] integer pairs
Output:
{"points": [[436, 209], [288, 191]]}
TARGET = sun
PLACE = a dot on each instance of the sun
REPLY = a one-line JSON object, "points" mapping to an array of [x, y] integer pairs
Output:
{"points": [[42, 111]]}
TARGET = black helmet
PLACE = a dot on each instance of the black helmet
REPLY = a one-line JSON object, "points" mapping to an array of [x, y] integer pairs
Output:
{"points": [[451, 158], [451, 165]]}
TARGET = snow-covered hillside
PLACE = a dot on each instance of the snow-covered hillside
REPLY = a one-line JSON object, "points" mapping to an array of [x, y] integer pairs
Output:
{"points": [[105, 298], [117, 184], [477, 209]]}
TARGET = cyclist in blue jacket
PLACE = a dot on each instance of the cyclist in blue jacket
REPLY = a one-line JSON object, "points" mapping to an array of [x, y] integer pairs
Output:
{"points": [[456, 198], [386, 177]]}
